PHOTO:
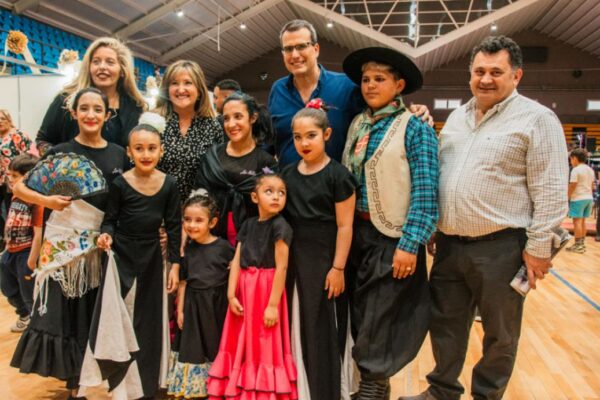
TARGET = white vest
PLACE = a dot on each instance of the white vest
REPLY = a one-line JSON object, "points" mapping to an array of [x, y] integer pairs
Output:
{"points": [[387, 176]]}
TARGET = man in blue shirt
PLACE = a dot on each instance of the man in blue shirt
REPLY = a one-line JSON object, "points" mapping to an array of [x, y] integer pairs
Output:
{"points": [[309, 80]]}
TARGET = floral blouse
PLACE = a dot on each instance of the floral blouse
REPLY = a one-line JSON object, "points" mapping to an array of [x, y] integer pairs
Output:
{"points": [[183, 152], [13, 144]]}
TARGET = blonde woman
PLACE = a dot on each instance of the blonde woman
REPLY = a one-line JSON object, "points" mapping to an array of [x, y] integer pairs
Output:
{"points": [[108, 66], [192, 127]]}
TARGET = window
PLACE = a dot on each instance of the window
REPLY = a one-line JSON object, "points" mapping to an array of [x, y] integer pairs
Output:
{"points": [[446, 104], [593, 105]]}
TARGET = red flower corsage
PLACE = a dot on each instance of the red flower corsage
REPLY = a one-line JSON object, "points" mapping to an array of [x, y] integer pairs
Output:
{"points": [[315, 103]]}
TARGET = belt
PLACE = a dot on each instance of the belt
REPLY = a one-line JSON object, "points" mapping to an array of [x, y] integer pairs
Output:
{"points": [[365, 216], [489, 236]]}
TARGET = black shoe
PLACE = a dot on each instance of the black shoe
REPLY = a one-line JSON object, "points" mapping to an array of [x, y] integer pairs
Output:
{"points": [[598, 238], [373, 390], [421, 396]]}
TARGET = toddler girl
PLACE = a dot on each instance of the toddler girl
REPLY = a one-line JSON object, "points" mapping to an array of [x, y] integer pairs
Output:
{"points": [[202, 298], [254, 359]]}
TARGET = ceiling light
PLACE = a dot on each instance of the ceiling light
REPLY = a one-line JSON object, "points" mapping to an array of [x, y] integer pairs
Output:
{"points": [[494, 27], [243, 26], [180, 13], [329, 24]]}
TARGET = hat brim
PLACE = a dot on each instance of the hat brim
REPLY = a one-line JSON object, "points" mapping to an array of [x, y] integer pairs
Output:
{"points": [[405, 66]]}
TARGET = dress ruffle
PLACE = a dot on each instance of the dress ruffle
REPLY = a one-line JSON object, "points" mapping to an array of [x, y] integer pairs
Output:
{"points": [[254, 362], [47, 355]]}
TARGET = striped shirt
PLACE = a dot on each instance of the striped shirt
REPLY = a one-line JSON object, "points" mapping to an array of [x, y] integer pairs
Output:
{"points": [[508, 171], [421, 147]]}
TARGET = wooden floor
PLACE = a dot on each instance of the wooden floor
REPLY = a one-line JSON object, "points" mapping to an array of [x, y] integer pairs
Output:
{"points": [[559, 351]]}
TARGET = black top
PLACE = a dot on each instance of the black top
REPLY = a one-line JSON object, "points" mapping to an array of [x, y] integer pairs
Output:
{"points": [[205, 266], [134, 214], [111, 160], [231, 196], [238, 169], [258, 241], [183, 152], [313, 197], [113, 128], [58, 126]]}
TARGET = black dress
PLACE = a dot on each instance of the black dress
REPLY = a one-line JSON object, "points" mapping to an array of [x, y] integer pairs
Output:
{"points": [[205, 269], [310, 209], [55, 342], [58, 126], [230, 180], [133, 221], [183, 152]]}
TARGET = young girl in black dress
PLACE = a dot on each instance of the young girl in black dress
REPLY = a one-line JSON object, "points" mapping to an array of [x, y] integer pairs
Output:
{"points": [[255, 360], [320, 209], [228, 170], [139, 201], [55, 341], [202, 298]]}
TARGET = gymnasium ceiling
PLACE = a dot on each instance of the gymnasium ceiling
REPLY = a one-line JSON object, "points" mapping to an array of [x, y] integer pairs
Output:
{"points": [[433, 32]]}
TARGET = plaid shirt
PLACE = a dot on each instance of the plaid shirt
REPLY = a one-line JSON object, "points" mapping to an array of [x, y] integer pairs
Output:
{"points": [[510, 170], [422, 152]]}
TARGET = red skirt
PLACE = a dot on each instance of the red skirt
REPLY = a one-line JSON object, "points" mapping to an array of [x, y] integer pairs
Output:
{"points": [[254, 362]]}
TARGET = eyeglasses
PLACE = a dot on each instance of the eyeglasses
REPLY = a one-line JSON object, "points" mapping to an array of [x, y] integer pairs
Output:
{"points": [[298, 47]]}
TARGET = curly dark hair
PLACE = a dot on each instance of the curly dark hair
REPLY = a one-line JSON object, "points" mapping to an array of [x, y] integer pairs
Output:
{"points": [[494, 44]]}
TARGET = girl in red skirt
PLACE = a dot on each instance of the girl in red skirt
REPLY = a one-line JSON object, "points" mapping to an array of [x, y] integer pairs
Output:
{"points": [[255, 360]]}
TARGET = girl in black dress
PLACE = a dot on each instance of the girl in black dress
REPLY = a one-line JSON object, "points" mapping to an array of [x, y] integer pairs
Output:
{"points": [[55, 341], [320, 209], [228, 170], [202, 298], [255, 359], [139, 201]]}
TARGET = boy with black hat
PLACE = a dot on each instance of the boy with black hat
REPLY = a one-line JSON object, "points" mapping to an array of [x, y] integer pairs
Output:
{"points": [[394, 156]]}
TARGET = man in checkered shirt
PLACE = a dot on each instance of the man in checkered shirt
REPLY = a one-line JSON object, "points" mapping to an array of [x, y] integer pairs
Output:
{"points": [[503, 179]]}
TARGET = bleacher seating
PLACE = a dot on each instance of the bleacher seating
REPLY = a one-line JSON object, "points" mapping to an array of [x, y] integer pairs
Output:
{"points": [[46, 43]]}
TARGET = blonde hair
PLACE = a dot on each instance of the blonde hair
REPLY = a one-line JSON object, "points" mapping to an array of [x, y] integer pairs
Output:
{"points": [[126, 81], [8, 117], [203, 107]]}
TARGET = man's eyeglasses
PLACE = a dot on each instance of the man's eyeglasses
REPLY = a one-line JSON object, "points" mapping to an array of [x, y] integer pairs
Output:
{"points": [[298, 47]]}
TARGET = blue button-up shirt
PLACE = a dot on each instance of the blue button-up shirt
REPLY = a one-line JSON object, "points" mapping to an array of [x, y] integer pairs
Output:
{"points": [[336, 90], [421, 147]]}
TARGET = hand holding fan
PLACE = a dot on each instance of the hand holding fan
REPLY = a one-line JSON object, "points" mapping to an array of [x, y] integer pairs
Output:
{"points": [[66, 174]]}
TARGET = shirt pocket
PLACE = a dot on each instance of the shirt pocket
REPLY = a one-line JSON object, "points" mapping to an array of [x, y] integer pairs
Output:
{"points": [[505, 152]]}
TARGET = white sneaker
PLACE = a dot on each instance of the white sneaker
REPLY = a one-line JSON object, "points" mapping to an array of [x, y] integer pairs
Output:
{"points": [[20, 325]]}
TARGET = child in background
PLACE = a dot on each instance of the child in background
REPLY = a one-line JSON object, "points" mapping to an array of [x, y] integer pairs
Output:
{"points": [[139, 201], [255, 359], [202, 298], [23, 236], [320, 209], [228, 170], [581, 197]]}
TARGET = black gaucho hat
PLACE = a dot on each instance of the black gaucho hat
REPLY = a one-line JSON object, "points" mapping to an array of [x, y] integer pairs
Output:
{"points": [[405, 66]]}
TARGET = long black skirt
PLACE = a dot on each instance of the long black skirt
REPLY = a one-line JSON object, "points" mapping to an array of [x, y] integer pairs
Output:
{"points": [[390, 317], [55, 342], [140, 267], [204, 313], [323, 321]]}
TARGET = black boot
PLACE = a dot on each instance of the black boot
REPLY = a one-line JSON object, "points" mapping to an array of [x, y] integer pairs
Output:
{"points": [[373, 390]]}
